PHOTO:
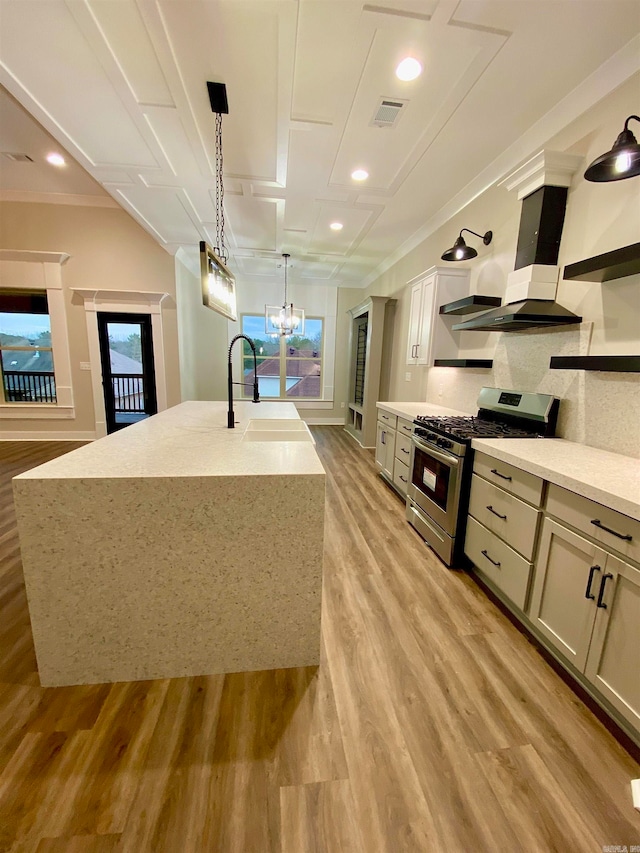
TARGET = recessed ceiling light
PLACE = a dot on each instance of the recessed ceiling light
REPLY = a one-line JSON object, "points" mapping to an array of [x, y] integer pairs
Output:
{"points": [[360, 175], [55, 159], [336, 226], [408, 69]]}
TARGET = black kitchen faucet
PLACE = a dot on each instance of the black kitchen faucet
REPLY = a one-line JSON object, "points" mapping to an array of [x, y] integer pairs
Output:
{"points": [[231, 421]]}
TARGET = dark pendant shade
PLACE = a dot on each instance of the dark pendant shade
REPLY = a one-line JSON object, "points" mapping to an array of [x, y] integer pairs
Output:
{"points": [[461, 252], [623, 161]]}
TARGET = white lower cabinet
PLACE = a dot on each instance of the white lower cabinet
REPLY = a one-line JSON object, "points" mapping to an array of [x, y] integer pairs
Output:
{"points": [[385, 449], [586, 603]]}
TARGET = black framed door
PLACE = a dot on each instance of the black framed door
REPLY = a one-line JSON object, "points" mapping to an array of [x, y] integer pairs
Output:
{"points": [[128, 375]]}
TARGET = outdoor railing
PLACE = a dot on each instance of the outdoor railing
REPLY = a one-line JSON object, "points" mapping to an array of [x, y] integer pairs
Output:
{"points": [[128, 392], [27, 386]]}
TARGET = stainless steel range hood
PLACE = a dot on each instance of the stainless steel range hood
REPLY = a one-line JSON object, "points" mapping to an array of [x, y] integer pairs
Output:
{"points": [[526, 314]]}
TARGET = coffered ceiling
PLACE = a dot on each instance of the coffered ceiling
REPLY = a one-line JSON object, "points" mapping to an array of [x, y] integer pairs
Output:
{"points": [[121, 85]]}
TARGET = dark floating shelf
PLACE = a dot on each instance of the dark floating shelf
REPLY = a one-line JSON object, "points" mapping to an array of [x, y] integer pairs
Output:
{"points": [[617, 264], [471, 304], [613, 363], [463, 362]]}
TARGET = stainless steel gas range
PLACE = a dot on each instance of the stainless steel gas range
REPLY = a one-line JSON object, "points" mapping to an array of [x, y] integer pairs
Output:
{"points": [[441, 461]]}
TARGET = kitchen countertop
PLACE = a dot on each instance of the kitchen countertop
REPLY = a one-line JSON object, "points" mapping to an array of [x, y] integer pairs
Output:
{"points": [[608, 478], [188, 440], [412, 410]]}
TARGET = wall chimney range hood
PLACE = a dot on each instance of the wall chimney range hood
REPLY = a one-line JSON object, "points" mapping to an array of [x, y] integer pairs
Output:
{"points": [[516, 316], [542, 185]]}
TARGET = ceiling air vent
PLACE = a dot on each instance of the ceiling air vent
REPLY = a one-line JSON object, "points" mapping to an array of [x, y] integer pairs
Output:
{"points": [[17, 158], [387, 112]]}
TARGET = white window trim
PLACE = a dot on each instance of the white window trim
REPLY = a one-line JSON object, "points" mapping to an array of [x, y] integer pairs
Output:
{"points": [[123, 302], [42, 271], [326, 400]]}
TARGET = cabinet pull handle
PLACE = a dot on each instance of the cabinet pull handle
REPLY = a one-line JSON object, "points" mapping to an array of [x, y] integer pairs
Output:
{"points": [[408, 429], [626, 536], [484, 554], [417, 348], [587, 592], [491, 509], [600, 603], [382, 435], [405, 451], [504, 476], [404, 479]]}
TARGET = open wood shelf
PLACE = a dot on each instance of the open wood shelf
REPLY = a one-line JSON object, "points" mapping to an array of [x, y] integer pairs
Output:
{"points": [[613, 363], [463, 362], [470, 304], [607, 267]]}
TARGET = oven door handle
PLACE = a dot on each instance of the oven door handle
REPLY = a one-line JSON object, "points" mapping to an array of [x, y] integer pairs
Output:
{"points": [[449, 460]]}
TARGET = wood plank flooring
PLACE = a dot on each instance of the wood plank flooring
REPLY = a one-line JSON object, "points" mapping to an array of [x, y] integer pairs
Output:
{"points": [[432, 724]]}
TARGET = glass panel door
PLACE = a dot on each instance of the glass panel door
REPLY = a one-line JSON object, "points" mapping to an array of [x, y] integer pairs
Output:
{"points": [[128, 378]]}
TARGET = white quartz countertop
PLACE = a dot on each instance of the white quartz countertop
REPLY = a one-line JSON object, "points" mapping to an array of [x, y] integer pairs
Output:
{"points": [[188, 440], [608, 478], [412, 410]]}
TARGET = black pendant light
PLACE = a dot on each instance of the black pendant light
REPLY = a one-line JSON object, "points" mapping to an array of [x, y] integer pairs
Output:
{"points": [[623, 161], [461, 252]]}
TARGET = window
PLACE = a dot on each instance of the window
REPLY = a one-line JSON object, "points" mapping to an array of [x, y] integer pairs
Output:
{"points": [[26, 356], [289, 368]]}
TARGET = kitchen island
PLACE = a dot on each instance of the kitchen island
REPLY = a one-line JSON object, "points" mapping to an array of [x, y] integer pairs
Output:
{"points": [[175, 547]]}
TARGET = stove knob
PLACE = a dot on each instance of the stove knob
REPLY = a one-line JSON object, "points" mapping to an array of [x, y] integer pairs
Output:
{"points": [[431, 436], [444, 442]]}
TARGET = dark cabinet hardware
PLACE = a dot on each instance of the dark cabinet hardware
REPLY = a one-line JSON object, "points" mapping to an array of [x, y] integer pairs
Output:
{"points": [[404, 479], [382, 435], [498, 474], [491, 509], [404, 450], [587, 592], [408, 429], [484, 554], [597, 523], [600, 603]]}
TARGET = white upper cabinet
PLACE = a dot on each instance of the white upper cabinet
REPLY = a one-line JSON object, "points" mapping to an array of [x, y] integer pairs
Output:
{"points": [[430, 335]]}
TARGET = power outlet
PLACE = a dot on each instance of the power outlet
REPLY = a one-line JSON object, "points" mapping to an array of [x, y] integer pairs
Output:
{"points": [[85, 365], [635, 793], [342, 405], [407, 377]]}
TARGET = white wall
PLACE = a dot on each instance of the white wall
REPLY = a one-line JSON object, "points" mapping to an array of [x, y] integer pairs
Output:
{"points": [[203, 338], [599, 409]]}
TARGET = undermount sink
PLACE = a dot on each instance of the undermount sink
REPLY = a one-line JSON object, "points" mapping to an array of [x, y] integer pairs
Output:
{"points": [[277, 429]]}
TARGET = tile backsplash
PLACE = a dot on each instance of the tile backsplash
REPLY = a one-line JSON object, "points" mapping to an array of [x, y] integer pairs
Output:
{"points": [[598, 409]]}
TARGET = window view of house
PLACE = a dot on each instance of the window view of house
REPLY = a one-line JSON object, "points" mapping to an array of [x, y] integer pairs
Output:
{"points": [[288, 367], [26, 356]]}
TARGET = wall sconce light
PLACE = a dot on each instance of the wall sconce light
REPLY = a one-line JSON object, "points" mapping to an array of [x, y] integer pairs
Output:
{"points": [[623, 161], [461, 252]]}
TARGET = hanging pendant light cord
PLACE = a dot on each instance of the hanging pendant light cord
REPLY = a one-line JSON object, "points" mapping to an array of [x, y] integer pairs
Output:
{"points": [[286, 258], [221, 249]]}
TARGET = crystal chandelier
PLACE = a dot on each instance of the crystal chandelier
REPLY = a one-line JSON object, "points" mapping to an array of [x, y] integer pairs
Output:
{"points": [[285, 320]]}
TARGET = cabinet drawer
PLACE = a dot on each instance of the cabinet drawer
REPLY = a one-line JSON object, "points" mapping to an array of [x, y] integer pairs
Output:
{"points": [[405, 427], [581, 513], [401, 476], [511, 479], [403, 447], [513, 520], [387, 418], [512, 573]]}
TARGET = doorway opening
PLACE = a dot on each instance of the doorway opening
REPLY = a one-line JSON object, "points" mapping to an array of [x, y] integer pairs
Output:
{"points": [[128, 373]]}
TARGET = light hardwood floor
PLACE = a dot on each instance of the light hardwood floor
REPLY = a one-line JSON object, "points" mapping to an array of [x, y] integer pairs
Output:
{"points": [[432, 723]]}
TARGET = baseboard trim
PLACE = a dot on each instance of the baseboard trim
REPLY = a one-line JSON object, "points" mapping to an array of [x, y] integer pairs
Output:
{"points": [[43, 435], [323, 421]]}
